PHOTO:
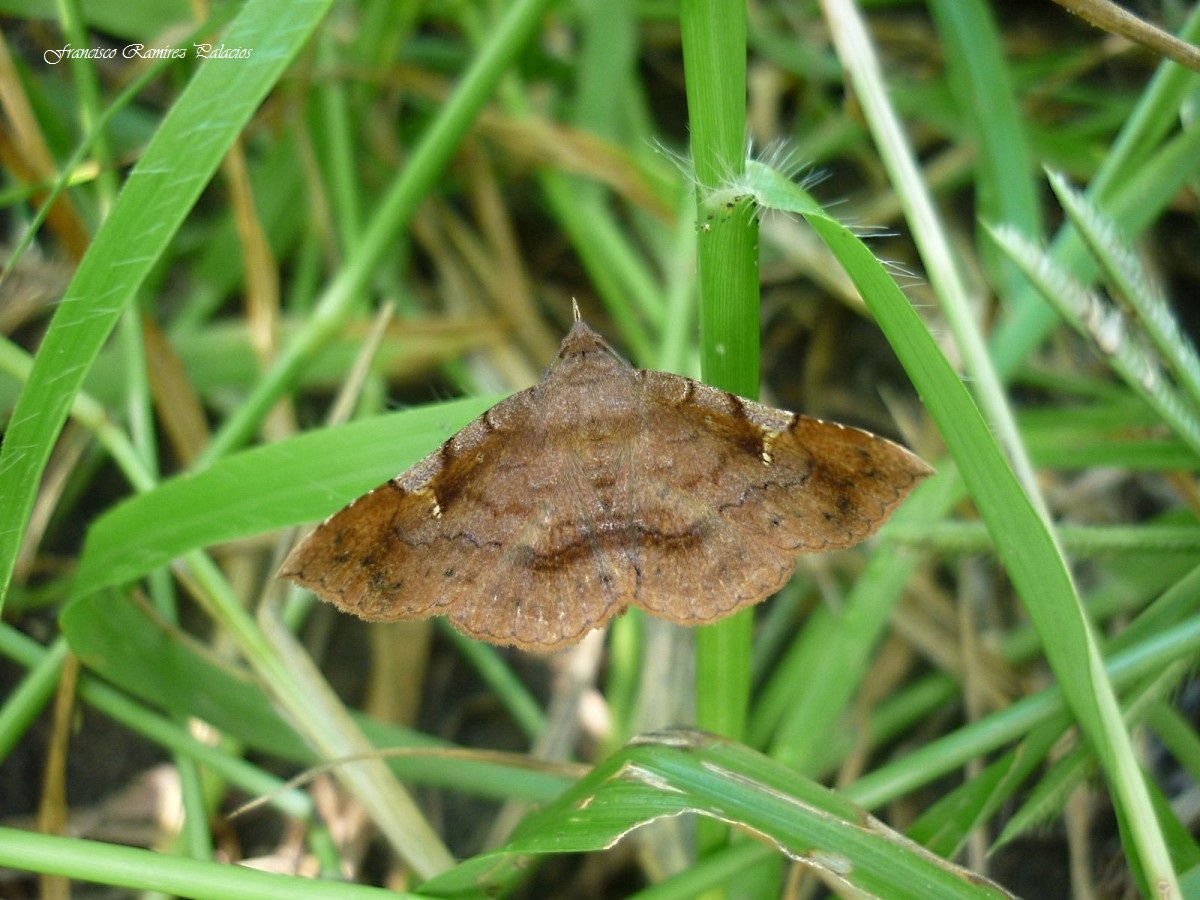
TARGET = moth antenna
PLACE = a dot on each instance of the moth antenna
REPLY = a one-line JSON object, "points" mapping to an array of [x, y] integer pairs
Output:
{"points": [[575, 308]]}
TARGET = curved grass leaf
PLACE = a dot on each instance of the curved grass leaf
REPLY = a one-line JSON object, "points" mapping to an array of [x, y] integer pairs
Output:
{"points": [[693, 772]]}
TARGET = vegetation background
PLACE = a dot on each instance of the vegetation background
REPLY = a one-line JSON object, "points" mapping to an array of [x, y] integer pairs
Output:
{"points": [[242, 279]]}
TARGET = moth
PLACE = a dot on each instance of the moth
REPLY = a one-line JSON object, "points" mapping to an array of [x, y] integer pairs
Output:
{"points": [[599, 488]]}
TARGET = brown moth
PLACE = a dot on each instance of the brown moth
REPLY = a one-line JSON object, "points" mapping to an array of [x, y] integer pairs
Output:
{"points": [[603, 487]]}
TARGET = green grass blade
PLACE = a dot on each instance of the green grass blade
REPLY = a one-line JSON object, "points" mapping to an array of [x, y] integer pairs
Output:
{"points": [[177, 164], [982, 86], [26, 701], [301, 479], [1025, 545], [676, 772], [941, 263], [147, 870], [714, 49]]}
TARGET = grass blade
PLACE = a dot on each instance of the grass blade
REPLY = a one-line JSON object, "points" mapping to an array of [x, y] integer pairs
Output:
{"points": [[160, 192]]}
